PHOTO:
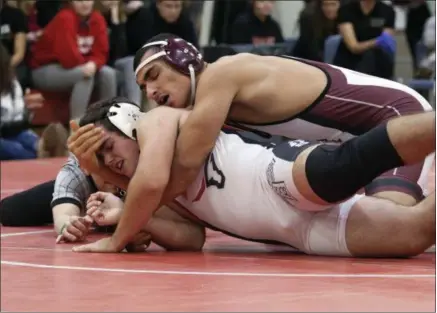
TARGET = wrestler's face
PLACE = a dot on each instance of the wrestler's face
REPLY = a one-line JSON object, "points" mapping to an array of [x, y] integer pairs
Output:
{"points": [[119, 153], [330, 8], [83, 8], [170, 10], [163, 84], [103, 185]]}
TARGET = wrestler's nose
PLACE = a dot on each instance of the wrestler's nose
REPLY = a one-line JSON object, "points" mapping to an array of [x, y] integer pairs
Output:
{"points": [[108, 159], [151, 93]]}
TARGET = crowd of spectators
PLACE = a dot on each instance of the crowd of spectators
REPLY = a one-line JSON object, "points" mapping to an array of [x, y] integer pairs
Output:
{"points": [[86, 48]]}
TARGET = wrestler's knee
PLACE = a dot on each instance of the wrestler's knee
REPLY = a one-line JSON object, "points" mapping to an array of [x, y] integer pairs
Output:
{"points": [[381, 228]]}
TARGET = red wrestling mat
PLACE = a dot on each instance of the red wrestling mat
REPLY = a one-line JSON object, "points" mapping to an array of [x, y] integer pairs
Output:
{"points": [[231, 275]]}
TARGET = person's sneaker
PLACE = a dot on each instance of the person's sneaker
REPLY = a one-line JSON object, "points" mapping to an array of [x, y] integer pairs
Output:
{"points": [[53, 141]]}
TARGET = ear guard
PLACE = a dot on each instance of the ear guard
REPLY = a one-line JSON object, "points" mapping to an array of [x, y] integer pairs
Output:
{"points": [[124, 116]]}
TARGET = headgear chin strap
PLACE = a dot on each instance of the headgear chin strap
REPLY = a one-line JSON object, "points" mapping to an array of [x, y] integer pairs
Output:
{"points": [[181, 55], [124, 116]]}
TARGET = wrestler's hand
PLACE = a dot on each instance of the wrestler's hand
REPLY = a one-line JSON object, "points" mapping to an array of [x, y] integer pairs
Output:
{"points": [[75, 229], [104, 245], [84, 143], [104, 208], [140, 243]]}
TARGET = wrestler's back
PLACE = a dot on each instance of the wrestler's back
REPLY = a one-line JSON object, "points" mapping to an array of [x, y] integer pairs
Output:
{"points": [[233, 195], [271, 87]]}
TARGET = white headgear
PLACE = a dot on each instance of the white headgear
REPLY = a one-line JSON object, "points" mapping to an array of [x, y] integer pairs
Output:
{"points": [[124, 116]]}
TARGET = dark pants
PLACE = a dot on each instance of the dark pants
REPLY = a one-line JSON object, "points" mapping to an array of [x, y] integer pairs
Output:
{"points": [[376, 62], [32, 207], [416, 19], [28, 208]]}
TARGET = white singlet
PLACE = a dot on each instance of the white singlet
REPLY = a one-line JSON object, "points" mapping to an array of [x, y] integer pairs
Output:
{"points": [[247, 190]]}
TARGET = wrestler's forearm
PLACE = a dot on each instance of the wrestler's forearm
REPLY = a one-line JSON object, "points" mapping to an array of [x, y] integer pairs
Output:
{"points": [[141, 202], [193, 144], [181, 177], [175, 235]]}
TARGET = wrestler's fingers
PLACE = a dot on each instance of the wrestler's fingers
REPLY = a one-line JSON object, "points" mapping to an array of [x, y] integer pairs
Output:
{"points": [[79, 225], [78, 131], [85, 146], [85, 140], [96, 145], [74, 126], [97, 215], [66, 236], [87, 220], [94, 203], [97, 196]]}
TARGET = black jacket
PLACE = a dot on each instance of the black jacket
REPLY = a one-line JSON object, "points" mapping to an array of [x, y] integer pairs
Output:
{"points": [[146, 23]]}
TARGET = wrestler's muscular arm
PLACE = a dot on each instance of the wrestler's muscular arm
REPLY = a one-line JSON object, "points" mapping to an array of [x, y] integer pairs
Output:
{"points": [[215, 93], [174, 232], [156, 132]]}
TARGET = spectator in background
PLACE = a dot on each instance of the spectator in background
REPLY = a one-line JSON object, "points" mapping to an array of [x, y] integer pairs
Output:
{"points": [[225, 13], [39, 15], [426, 68], [368, 45], [194, 10], [115, 15], [13, 29], [316, 23], [17, 140], [47, 10], [256, 26], [417, 14], [72, 53], [163, 16]]}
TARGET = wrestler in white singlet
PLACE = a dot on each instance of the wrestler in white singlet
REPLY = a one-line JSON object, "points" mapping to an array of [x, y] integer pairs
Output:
{"points": [[246, 190]]}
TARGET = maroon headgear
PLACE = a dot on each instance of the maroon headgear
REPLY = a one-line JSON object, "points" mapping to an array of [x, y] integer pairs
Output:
{"points": [[178, 53]]}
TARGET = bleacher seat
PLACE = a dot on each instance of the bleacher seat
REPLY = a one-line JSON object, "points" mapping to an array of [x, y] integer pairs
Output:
{"points": [[330, 48]]}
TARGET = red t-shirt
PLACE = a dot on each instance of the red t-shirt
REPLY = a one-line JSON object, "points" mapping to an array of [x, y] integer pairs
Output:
{"points": [[70, 41]]}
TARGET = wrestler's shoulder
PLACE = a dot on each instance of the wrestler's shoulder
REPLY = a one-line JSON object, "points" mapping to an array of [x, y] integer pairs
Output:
{"points": [[235, 60], [162, 112], [233, 67]]}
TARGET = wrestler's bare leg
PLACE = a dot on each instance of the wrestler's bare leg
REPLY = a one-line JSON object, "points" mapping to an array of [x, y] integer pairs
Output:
{"points": [[413, 138], [381, 228]]}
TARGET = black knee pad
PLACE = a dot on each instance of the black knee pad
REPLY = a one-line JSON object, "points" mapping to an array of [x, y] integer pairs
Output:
{"points": [[337, 172]]}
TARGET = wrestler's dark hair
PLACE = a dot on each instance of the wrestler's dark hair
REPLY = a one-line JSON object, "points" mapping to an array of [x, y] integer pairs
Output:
{"points": [[97, 113], [140, 53]]}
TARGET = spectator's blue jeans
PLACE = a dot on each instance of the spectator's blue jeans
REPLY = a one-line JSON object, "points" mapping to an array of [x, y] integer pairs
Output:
{"points": [[19, 147]]}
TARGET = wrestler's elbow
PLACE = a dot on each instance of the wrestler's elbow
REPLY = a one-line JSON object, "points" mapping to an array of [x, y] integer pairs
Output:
{"points": [[190, 238]]}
